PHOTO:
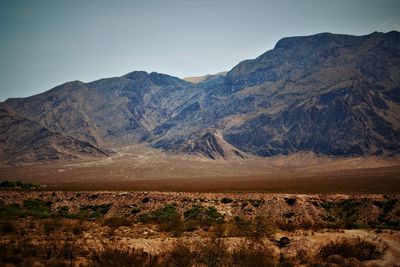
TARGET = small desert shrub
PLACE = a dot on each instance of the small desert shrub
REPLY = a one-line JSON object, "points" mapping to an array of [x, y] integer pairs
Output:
{"points": [[51, 225], [117, 255], [37, 207], [261, 228], [288, 214], [100, 209], [63, 211], [15, 252], [351, 248], [18, 184], [212, 253], [347, 208], [226, 200], [135, 210], [200, 216], [181, 254], [7, 227], [302, 256], [254, 254], [213, 214], [31, 207], [52, 253], [117, 221], [253, 229], [7, 184], [93, 196], [290, 201], [161, 215], [387, 205], [286, 261], [78, 229], [256, 202], [90, 212], [145, 200], [167, 217], [243, 226], [196, 212]]}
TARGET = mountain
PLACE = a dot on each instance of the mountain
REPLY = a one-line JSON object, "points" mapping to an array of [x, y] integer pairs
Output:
{"points": [[327, 93], [24, 140], [199, 79]]}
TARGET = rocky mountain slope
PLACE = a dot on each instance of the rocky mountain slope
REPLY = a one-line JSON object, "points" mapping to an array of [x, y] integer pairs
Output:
{"points": [[25, 140], [326, 93]]}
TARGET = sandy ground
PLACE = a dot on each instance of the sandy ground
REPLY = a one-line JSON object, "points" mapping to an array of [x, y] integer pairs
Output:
{"points": [[141, 168]]}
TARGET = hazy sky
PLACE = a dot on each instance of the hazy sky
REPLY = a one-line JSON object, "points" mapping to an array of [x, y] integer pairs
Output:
{"points": [[46, 43]]}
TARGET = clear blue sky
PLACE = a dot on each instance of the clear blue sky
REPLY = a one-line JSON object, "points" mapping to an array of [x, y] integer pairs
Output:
{"points": [[46, 43]]}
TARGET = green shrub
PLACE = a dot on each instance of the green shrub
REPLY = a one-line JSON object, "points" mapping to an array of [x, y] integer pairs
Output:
{"points": [[168, 218], [166, 214], [213, 214], [91, 212], [200, 216], [31, 207], [196, 212]]}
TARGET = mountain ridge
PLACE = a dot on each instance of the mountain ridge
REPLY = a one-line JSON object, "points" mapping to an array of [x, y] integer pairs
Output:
{"points": [[327, 93]]}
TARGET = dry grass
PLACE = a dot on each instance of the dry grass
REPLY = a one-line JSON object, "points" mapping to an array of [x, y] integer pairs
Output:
{"points": [[362, 250]]}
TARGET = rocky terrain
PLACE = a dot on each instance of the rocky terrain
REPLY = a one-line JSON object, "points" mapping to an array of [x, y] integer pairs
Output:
{"points": [[327, 93], [53, 228]]}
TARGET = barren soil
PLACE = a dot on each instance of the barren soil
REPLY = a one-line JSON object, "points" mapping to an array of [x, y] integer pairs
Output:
{"points": [[140, 168]]}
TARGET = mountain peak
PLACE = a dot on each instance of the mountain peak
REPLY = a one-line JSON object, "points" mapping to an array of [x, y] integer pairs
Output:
{"points": [[136, 75]]}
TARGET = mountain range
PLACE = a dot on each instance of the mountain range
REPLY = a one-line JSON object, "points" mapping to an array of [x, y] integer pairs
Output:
{"points": [[330, 94]]}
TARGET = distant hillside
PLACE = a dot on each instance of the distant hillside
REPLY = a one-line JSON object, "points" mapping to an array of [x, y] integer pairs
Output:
{"points": [[327, 93]]}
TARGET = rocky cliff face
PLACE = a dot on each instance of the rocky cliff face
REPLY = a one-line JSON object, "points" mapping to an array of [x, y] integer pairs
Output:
{"points": [[327, 93]]}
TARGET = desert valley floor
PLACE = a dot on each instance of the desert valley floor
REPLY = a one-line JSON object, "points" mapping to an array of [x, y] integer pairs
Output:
{"points": [[144, 207], [141, 168]]}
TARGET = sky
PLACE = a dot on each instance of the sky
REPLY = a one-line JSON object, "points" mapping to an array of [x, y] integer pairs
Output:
{"points": [[46, 43]]}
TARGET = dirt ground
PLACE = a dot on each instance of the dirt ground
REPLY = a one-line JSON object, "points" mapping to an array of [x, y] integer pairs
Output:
{"points": [[140, 168]]}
